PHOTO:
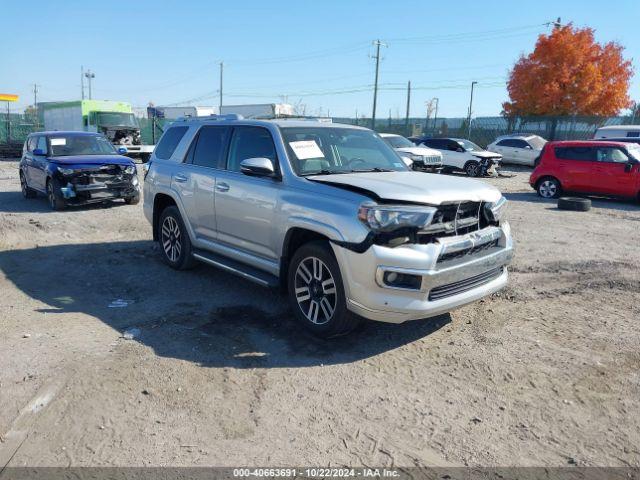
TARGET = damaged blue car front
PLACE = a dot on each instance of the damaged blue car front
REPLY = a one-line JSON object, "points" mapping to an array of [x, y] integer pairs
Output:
{"points": [[75, 168]]}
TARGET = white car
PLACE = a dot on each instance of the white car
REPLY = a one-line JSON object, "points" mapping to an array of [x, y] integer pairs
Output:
{"points": [[422, 158], [521, 149], [461, 154]]}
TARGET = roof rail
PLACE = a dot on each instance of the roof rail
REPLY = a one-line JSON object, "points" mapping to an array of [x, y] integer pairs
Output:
{"points": [[228, 116]]}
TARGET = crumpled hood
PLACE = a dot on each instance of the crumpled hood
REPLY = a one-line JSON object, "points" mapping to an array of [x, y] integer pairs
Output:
{"points": [[427, 152], [485, 154], [77, 160], [416, 187]]}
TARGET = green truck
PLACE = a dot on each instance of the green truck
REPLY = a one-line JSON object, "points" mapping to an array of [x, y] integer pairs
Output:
{"points": [[114, 119]]}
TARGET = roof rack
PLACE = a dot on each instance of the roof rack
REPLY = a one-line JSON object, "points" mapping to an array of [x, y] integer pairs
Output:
{"points": [[228, 116]]}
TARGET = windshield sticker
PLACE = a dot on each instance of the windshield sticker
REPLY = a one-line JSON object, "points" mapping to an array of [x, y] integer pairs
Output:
{"points": [[58, 141], [306, 149]]}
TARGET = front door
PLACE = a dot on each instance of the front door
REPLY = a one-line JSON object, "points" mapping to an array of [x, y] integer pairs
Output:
{"points": [[612, 177], [38, 165], [245, 205]]}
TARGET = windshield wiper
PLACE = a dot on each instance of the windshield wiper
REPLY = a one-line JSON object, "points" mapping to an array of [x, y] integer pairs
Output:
{"points": [[325, 172], [374, 169]]}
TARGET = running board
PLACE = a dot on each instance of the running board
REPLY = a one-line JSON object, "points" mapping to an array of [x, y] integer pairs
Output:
{"points": [[258, 276]]}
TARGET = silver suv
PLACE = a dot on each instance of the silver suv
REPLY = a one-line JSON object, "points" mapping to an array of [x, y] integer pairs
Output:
{"points": [[328, 212]]}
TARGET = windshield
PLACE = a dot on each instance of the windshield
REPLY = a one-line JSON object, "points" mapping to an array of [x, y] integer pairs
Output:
{"points": [[63, 145], [328, 150], [115, 119], [634, 151], [468, 146], [396, 141]]}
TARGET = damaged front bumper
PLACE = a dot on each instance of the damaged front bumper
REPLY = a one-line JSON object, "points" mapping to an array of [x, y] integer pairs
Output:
{"points": [[90, 186], [415, 281]]}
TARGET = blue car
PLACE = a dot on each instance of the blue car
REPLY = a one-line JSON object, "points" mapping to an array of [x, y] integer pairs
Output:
{"points": [[76, 168]]}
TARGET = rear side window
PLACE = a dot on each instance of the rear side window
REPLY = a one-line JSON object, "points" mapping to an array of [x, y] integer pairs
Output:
{"points": [[209, 147], [633, 134], [576, 153], [250, 142], [42, 144], [31, 144], [169, 142]]}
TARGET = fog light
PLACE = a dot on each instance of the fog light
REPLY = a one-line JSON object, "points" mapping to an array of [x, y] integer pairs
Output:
{"points": [[402, 280]]}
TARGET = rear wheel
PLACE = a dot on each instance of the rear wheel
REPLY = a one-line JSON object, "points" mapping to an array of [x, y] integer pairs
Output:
{"points": [[316, 292], [174, 240], [54, 195], [549, 187], [27, 192]]}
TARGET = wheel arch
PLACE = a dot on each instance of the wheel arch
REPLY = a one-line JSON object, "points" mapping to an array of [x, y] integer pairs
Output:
{"points": [[293, 240], [160, 202]]}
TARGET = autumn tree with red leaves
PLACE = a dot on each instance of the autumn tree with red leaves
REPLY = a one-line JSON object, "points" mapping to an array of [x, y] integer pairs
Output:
{"points": [[568, 73]]}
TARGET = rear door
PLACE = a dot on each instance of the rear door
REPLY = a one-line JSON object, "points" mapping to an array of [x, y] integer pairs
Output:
{"points": [[246, 205], [576, 168], [612, 177], [505, 148], [196, 180]]}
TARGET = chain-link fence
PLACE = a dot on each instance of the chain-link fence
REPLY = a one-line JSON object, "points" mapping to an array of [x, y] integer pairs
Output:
{"points": [[14, 128]]}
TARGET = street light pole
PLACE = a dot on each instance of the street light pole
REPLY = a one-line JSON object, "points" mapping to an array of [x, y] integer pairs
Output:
{"points": [[221, 74], [90, 75], [474, 83]]}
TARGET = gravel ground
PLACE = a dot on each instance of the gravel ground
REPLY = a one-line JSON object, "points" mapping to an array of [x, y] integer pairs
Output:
{"points": [[545, 372]]}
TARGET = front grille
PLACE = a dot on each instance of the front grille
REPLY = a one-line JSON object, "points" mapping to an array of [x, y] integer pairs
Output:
{"points": [[465, 285], [454, 219]]}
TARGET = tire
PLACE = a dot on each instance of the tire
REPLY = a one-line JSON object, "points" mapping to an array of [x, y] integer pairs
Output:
{"points": [[54, 195], [27, 192], [135, 200], [575, 204], [472, 168], [549, 187], [175, 244], [316, 292]]}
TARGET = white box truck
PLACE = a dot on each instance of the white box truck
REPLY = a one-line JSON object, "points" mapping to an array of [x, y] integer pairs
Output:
{"points": [[260, 110]]}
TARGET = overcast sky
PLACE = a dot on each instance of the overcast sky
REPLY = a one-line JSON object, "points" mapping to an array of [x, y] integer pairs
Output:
{"points": [[312, 53]]}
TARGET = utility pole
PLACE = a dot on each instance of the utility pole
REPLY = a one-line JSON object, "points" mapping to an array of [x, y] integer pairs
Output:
{"points": [[90, 75], [82, 82], [377, 43], [221, 75], [35, 103], [406, 118], [474, 83], [435, 116]]}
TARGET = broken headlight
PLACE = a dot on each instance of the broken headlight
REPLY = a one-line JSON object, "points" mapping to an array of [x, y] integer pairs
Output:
{"points": [[66, 171], [495, 211], [387, 218], [131, 169]]}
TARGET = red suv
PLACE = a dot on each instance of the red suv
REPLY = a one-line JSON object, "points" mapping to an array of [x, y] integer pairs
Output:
{"points": [[591, 167]]}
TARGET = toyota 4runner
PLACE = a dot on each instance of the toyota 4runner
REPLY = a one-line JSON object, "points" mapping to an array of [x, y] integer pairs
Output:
{"points": [[328, 212]]}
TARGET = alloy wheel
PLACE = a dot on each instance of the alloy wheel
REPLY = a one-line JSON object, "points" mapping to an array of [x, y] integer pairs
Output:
{"points": [[171, 239], [473, 169], [51, 196], [315, 290], [548, 189], [23, 185]]}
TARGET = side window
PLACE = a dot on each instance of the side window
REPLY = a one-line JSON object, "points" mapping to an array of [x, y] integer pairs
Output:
{"points": [[503, 143], [31, 144], [169, 142], [520, 144], [453, 146], [42, 144], [209, 149], [250, 142], [633, 134], [576, 153], [612, 155]]}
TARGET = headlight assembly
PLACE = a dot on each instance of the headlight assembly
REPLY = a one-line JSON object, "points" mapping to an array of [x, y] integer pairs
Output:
{"points": [[130, 170], [496, 211], [66, 171], [386, 218]]}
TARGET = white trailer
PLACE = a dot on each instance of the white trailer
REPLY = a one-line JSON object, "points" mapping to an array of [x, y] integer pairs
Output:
{"points": [[260, 110]]}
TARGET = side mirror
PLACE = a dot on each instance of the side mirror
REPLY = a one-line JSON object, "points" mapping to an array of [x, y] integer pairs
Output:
{"points": [[38, 151], [122, 150], [460, 150], [257, 167], [629, 166], [528, 147]]}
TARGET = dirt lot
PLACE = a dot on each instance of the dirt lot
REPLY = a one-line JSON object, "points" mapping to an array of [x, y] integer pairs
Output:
{"points": [[547, 372]]}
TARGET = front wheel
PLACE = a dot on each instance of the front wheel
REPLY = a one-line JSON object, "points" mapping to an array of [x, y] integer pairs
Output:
{"points": [[134, 200], [316, 292], [472, 169], [54, 195], [549, 188]]}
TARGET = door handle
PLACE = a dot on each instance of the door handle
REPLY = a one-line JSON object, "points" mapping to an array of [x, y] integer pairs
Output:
{"points": [[180, 178], [222, 187]]}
